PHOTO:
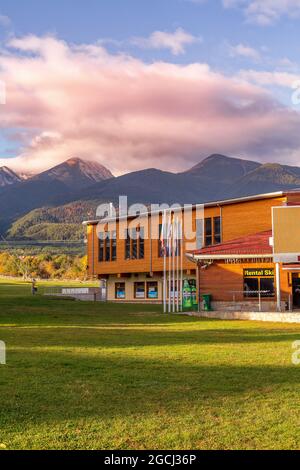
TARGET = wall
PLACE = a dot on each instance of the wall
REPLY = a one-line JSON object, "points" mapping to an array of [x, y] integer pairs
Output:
{"points": [[221, 279], [238, 219], [130, 287]]}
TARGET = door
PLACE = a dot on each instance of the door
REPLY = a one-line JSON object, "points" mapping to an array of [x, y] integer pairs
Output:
{"points": [[296, 291]]}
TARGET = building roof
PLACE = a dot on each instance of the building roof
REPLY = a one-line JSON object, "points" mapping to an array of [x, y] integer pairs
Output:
{"points": [[255, 245], [210, 204]]}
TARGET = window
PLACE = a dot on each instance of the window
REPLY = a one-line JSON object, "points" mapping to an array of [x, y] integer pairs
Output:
{"points": [[127, 245], [139, 290], [208, 232], [253, 285], [120, 290], [101, 247], [217, 230], [212, 231], [134, 244], [142, 244], [267, 287], [113, 246], [107, 249], [107, 246], [152, 290]]}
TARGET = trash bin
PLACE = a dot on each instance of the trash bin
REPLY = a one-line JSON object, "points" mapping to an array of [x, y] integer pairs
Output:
{"points": [[194, 298], [207, 302]]}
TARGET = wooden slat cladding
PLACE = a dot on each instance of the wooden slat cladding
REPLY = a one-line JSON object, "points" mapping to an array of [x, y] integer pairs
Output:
{"points": [[225, 282], [237, 220]]}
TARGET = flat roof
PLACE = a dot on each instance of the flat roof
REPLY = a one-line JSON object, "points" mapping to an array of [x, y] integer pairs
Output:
{"points": [[205, 204]]}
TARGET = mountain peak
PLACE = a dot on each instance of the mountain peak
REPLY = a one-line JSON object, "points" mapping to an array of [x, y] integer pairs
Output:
{"points": [[8, 177], [223, 168], [77, 173]]}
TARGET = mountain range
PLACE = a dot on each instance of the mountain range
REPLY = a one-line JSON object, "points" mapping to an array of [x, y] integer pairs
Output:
{"points": [[52, 204]]}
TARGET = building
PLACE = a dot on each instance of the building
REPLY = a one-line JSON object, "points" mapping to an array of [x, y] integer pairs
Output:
{"points": [[234, 262]]}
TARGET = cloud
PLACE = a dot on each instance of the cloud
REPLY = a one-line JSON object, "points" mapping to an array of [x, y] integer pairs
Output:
{"points": [[175, 42], [242, 50], [266, 12], [266, 78], [5, 21], [66, 100]]}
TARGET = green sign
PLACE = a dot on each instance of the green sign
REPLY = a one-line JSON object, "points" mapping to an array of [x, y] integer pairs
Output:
{"points": [[259, 272]]}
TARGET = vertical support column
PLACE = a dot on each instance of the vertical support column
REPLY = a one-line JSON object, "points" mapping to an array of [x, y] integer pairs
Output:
{"points": [[278, 287], [198, 285]]}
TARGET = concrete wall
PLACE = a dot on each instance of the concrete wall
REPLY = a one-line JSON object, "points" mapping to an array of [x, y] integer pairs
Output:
{"points": [[285, 317]]}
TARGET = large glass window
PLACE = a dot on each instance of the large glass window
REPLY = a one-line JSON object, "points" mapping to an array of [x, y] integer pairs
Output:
{"points": [[152, 290], [267, 287], [254, 285], [120, 292], [208, 232], [251, 286], [142, 243], [217, 230], [139, 290], [107, 247], [127, 245], [101, 247], [113, 246], [134, 244]]}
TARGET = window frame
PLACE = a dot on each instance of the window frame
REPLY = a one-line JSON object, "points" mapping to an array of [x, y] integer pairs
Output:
{"points": [[135, 289], [116, 290], [147, 289]]}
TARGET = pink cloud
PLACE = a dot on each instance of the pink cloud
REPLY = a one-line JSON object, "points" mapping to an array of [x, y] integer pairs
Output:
{"points": [[82, 101]]}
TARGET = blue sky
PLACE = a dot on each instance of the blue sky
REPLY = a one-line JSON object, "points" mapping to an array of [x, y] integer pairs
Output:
{"points": [[235, 38], [80, 21]]}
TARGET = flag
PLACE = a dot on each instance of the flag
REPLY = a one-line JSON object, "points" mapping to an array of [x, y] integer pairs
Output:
{"points": [[169, 235], [163, 235]]}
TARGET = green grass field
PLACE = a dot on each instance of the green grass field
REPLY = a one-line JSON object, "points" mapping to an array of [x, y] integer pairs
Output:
{"points": [[102, 376]]}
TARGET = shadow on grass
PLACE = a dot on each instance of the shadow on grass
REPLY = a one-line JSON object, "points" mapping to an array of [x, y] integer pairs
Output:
{"points": [[43, 386], [104, 336]]}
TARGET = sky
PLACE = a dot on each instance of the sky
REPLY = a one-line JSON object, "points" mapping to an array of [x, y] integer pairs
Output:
{"points": [[136, 84]]}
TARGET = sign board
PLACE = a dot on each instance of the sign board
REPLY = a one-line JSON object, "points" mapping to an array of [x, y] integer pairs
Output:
{"points": [[77, 290], [286, 234], [259, 272]]}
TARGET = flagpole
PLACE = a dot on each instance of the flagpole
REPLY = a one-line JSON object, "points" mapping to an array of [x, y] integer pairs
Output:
{"points": [[181, 264], [165, 262], [173, 264], [169, 255], [177, 264]]}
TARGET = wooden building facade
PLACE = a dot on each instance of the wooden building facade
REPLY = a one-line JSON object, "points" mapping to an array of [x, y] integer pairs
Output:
{"points": [[133, 267]]}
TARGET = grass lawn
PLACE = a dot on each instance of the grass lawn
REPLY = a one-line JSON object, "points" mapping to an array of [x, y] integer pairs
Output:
{"points": [[105, 376]]}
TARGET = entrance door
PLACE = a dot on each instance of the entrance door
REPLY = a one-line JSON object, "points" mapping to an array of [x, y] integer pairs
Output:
{"points": [[296, 291]]}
